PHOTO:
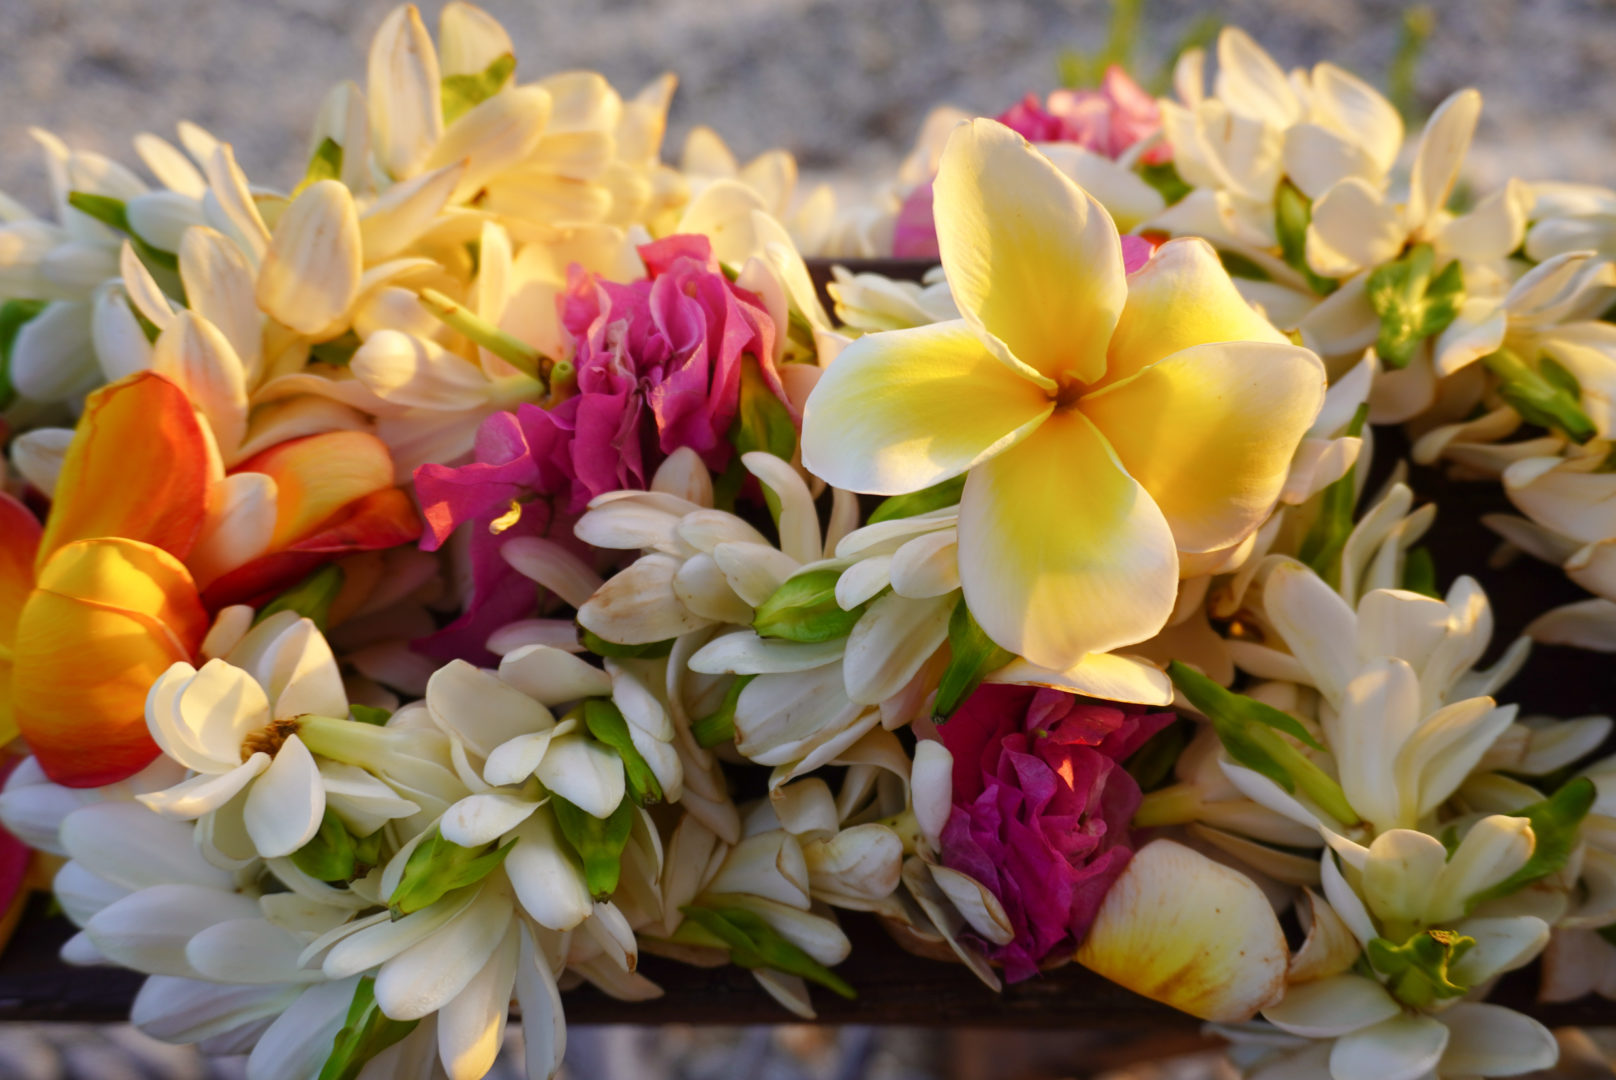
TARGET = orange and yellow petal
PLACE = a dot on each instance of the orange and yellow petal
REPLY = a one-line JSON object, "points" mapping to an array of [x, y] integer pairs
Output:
{"points": [[1032, 260], [139, 467], [318, 475], [109, 617], [19, 541], [380, 520], [1181, 297], [1210, 433], [1061, 552]]}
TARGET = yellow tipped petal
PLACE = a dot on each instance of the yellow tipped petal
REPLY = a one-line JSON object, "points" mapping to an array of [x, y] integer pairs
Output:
{"points": [[1181, 297], [1190, 933], [403, 90], [899, 411], [1210, 433], [311, 271], [1062, 553], [1033, 261]]}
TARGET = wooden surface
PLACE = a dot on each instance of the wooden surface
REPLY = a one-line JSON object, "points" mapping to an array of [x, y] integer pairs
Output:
{"points": [[898, 989]]}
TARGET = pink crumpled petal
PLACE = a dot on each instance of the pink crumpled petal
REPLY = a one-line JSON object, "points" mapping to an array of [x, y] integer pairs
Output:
{"points": [[1041, 809]]}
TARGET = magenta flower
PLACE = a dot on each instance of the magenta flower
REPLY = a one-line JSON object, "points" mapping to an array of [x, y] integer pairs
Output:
{"points": [[1041, 809], [1106, 121], [658, 367]]}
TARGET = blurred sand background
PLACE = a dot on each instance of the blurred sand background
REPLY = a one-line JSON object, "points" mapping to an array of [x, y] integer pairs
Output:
{"points": [[844, 84]]}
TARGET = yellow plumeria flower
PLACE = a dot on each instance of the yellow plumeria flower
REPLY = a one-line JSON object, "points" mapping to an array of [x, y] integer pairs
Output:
{"points": [[1108, 421]]}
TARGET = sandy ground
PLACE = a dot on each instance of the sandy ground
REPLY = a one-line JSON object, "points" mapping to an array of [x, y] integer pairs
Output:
{"points": [[842, 83]]}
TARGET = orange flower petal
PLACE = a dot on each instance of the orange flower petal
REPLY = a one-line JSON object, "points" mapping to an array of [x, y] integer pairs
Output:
{"points": [[138, 467], [317, 476], [109, 616], [19, 539], [380, 520]]}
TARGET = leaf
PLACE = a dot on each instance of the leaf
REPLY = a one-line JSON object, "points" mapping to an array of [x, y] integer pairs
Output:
{"points": [[461, 92], [1237, 265], [370, 714], [437, 867], [330, 856], [338, 352], [804, 608], [1419, 572], [1554, 829], [972, 656], [310, 598], [324, 164], [1549, 397], [1412, 304], [14, 315], [1153, 762], [367, 1032], [605, 722], [936, 497], [1165, 179], [753, 943], [1321, 547], [1248, 730], [598, 645], [115, 213], [1417, 970], [719, 726], [761, 422], [598, 843], [1293, 213]]}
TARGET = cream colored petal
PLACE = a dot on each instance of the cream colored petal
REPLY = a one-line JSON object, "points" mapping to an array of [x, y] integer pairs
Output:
{"points": [[1353, 228], [1250, 82], [1490, 1040], [583, 772], [1055, 527], [481, 709], [406, 110], [1317, 158], [1440, 155], [548, 881], [551, 676], [471, 1027], [311, 270], [219, 287], [285, 804], [1186, 931], [1032, 260], [891, 642], [1402, 869], [1210, 432], [404, 211], [1348, 105], [1331, 1007], [491, 136], [900, 411], [1494, 229], [1124, 195], [194, 354], [1401, 1048], [478, 820]]}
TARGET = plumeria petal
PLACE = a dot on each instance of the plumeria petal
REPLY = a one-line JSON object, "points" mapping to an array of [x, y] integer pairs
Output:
{"points": [[1032, 260], [1210, 431], [1055, 526], [902, 410]]}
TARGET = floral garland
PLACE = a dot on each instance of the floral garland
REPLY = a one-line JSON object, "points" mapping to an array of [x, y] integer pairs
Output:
{"points": [[397, 572]]}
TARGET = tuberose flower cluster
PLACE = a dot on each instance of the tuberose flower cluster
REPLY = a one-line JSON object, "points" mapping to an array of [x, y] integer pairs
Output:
{"points": [[403, 567]]}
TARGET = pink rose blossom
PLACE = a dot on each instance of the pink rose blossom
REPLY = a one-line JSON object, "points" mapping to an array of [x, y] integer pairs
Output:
{"points": [[658, 367], [1041, 809], [1106, 121]]}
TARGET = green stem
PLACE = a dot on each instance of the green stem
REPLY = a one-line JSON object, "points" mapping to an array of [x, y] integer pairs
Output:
{"points": [[347, 741], [458, 317]]}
